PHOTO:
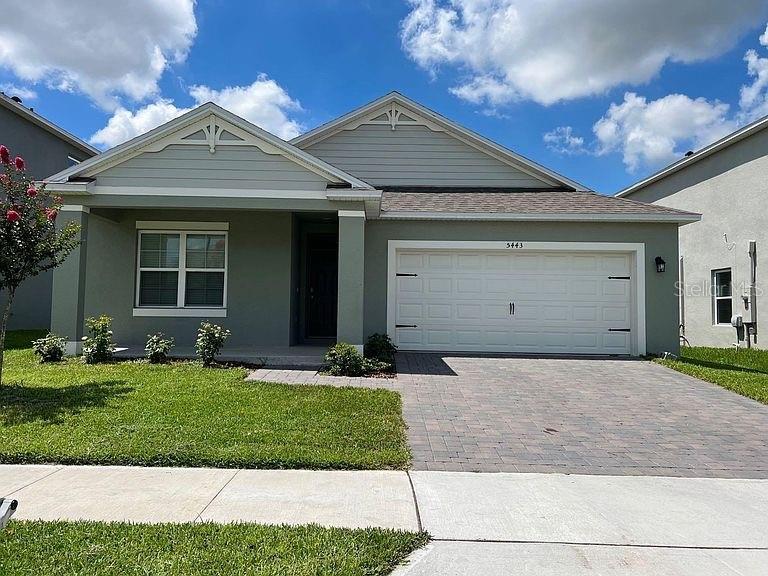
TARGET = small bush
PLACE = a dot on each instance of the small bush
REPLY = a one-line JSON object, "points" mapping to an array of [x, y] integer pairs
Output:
{"points": [[344, 360], [210, 340], [379, 347], [50, 348], [373, 366], [157, 348], [98, 347]]}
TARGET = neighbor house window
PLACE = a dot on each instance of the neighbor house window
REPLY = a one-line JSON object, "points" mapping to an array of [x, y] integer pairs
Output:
{"points": [[182, 269], [722, 300]]}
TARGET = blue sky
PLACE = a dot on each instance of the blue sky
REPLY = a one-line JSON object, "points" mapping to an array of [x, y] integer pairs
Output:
{"points": [[301, 63]]}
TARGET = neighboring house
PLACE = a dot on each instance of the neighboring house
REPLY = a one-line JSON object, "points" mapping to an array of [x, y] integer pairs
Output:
{"points": [[390, 219], [46, 149], [727, 182]]}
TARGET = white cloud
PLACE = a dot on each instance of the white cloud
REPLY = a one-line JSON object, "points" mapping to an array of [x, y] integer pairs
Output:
{"points": [[562, 140], [660, 131], [103, 49], [652, 133], [10, 89], [264, 103], [753, 98], [561, 49]]}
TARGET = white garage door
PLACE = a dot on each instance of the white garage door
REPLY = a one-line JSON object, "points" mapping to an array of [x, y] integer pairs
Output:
{"points": [[518, 302]]}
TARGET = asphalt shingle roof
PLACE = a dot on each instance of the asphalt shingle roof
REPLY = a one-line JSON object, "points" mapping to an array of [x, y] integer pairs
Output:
{"points": [[510, 201]]}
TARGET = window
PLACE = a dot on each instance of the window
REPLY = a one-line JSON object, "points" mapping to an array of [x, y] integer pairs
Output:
{"points": [[73, 161], [181, 269], [722, 300]]}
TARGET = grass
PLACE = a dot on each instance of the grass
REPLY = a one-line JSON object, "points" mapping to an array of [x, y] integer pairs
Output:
{"points": [[90, 548], [743, 371], [182, 414]]}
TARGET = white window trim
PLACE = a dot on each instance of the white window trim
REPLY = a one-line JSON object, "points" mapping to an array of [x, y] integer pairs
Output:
{"points": [[637, 271], [181, 310], [715, 297]]}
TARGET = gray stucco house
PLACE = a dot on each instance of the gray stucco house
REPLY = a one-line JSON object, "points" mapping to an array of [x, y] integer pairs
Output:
{"points": [[389, 219], [727, 182], [47, 149]]}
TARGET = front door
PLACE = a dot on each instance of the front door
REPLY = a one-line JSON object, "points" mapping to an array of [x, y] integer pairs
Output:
{"points": [[322, 283]]}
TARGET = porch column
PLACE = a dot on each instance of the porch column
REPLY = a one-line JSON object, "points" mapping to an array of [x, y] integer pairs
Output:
{"points": [[349, 325], [68, 299]]}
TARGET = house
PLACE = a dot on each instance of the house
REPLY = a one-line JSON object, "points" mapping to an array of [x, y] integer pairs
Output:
{"points": [[727, 183], [389, 219], [47, 149]]}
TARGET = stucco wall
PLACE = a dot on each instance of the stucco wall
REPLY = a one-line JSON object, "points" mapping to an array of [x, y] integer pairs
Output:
{"points": [[45, 155], [259, 276], [659, 239], [730, 190]]}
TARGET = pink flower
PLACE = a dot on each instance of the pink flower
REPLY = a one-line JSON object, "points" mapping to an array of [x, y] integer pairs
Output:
{"points": [[12, 216], [31, 192], [51, 214], [5, 156], [19, 162]]}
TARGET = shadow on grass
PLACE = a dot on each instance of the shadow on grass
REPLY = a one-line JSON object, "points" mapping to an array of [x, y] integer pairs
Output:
{"points": [[719, 365], [23, 404], [18, 339]]}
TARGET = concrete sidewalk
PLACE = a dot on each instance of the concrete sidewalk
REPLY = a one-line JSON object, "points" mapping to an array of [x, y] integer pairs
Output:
{"points": [[481, 523]]}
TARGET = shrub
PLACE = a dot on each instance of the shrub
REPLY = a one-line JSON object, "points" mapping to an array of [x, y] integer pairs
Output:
{"points": [[157, 348], [210, 339], [380, 347], [50, 348], [344, 360], [98, 347]]}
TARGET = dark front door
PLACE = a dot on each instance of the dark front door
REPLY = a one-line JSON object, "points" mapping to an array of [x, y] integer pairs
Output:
{"points": [[322, 284]]}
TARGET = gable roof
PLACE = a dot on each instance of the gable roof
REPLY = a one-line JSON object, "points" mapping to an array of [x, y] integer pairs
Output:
{"points": [[725, 142], [135, 146], [32, 116], [465, 135]]}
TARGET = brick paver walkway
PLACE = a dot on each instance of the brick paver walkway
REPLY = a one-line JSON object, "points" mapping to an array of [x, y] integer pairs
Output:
{"points": [[585, 416]]}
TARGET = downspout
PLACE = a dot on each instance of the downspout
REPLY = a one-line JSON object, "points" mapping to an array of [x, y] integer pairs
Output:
{"points": [[753, 288], [681, 290]]}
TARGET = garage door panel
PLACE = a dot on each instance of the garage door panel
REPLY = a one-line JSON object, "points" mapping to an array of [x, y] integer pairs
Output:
{"points": [[410, 284], [563, 302], [469, 286]]}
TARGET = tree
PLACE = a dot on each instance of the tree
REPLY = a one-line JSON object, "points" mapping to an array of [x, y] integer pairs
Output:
{"points": [[29, 241]]}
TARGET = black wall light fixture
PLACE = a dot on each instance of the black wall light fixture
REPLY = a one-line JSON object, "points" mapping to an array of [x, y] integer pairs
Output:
{"points": [[661, 266]]}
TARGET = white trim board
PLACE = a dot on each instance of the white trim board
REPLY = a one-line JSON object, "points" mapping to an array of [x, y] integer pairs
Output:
{"points": [[180, 312], [152, 225], [637, 250]]}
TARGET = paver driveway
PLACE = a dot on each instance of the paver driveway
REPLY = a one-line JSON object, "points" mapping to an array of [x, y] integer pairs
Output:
{"points": [[586, 416]]}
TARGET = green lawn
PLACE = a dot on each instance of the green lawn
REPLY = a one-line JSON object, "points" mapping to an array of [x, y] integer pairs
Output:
{"points": [[743, 371], [90, 548], [182, 414]]}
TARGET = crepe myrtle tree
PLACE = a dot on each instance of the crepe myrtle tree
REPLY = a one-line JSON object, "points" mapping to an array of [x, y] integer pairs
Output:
{"points": [[29, 241]]}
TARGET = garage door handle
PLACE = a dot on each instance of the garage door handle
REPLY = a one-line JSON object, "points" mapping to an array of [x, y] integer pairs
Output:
{"points": [[511, 308], [406, 326], [619, 330]]}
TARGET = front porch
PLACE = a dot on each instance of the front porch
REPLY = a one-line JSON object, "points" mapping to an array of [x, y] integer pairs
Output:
{"points": [[286, 283]]}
